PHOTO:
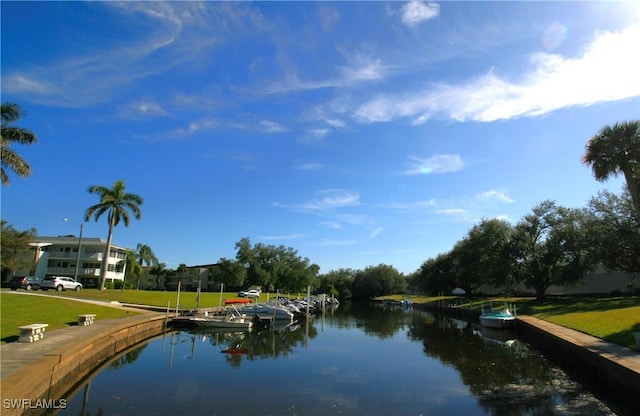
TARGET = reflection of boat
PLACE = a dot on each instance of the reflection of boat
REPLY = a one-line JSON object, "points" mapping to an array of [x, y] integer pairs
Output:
{"points": [[502, 337], [497, 317]]}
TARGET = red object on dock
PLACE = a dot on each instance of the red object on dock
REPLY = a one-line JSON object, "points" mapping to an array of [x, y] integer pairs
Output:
{"points": [[232, 301]]}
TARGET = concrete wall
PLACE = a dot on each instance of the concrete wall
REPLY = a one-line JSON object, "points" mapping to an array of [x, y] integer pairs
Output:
{"points": [[602, 370], [59, 370]]}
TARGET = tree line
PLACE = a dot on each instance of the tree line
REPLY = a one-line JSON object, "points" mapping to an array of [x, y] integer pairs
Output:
{"points": [[553, 245]]}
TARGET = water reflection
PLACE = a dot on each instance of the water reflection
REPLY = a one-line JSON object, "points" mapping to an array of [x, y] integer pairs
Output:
{"points": [[356, 359]]}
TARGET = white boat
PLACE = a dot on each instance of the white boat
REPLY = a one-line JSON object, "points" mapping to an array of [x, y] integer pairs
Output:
{"points": [[499, 318], [228, 321], [264, 310]]}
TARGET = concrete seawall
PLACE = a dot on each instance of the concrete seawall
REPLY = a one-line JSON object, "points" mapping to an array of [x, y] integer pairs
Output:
{"points": [[36, 375], [611, 368]]}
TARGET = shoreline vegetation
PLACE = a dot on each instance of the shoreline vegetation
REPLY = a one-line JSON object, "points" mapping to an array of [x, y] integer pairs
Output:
{"points": [[611, 318]]}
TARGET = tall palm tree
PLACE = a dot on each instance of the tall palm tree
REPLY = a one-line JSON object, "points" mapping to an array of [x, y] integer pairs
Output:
{"points": [[614, 150], [117, 204], [144, 254], [11, 134]]}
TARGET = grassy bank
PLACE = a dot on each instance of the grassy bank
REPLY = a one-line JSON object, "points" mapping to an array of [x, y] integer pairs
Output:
{"points": [[17, 310], [60, 310], [613, 319]]}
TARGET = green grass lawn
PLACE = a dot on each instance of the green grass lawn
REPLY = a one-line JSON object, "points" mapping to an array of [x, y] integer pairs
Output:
{"points": [[148, 297], [18, 310], [613, 319], [59, 312]]}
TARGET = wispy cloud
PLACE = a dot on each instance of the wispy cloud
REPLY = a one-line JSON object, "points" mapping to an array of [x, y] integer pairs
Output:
{"points": [[495, 195], [327, 200], [437, 164], [308, 166], [375, 233], [417, 11], [605, 71], [412, 206], [281, 237], [143, 109], [271, 127], [329, 242]]}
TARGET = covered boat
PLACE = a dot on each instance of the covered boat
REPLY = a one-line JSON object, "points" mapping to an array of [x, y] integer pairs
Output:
{"points": [[499, 318]]}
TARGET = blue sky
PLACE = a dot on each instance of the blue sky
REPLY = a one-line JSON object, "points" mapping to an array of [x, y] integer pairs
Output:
{"points": [[358, 133]]}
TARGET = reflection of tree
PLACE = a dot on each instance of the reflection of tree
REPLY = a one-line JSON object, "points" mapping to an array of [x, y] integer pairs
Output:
{"points": [[380, 322], [261, 342], [128, 357], [521, 384]]}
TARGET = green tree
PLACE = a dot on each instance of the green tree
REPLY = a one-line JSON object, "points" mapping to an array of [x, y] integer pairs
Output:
{"points": [[614, 150], [614, 232], [272, 267], [10, 134], [230, 273], [485, 257], [15, 249], [549, 248], [436, 275], [132, 269], [145, 255], [159, 271], [378, 280], [116, 203], [338, 283]]}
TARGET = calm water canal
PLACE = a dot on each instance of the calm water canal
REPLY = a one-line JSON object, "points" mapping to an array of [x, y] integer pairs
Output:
{"points": [[357, 360]]}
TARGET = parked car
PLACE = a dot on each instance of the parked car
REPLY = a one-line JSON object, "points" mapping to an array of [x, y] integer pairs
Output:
{"points": [[249, 293], [26, 283], [60, 283]]}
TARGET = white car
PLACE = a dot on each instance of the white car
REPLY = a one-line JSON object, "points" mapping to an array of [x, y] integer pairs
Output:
{"points": [[249, 293], [60, 283]]}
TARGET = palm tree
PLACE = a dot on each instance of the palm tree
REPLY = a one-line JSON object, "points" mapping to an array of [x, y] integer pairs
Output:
{"points": [[11, 134], [614, 150], [144, 254], [133, 270], [116, 203], [158, 271]]}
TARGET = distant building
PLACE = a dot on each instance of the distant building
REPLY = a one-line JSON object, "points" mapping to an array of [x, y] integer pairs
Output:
{"points": [[58, 256], [191, 277]]}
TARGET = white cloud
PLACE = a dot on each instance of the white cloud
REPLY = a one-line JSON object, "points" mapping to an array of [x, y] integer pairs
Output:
{"points": [[282, 237], [375, 233], [495, 195], [436, 164], [144, 109], [413, 206], [329, 242], [308, 166], [417, 11], [327, 200], [271, 127], [606, 71]]}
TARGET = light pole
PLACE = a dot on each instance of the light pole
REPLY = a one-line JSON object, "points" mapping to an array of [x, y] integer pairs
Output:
{"points": [[75, 274]]}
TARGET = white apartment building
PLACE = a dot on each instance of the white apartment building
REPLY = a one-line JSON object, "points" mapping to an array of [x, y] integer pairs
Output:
{"points": [[70, 256]]}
